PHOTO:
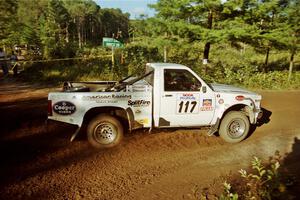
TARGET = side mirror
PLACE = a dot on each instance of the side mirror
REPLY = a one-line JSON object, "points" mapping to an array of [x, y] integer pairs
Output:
{"points": [[204, 89]]}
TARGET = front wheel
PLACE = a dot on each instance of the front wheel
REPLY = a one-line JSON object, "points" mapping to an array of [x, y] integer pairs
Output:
{"points": [[234, 127], [104, 131]]}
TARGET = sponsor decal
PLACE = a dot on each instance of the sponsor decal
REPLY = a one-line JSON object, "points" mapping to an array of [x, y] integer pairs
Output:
{"points": [[206, 105], [64, 108], [221, 101], [207, 102], [107, 101], [106, 96], [137, 111], [187, 96], [138, 103], [187, 103], [206, 108], [143, 121], [138, 88]]}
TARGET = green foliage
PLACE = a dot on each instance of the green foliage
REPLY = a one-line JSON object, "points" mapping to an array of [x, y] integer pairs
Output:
{"points": [[262, 181], [53, 31], [273, 80], [137, 55], [265, 25], [7, 19], [228, 195], [247, 38], [59, 27], [240, 64], [56, 72]]}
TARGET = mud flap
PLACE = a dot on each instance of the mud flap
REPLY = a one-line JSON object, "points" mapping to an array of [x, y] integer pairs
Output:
{"points": [[130, 117], [250, 113], [75, 134], [213, 129]]}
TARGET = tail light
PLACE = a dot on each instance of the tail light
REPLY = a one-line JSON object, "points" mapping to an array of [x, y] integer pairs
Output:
{"points": [[240, 98], [49, 108]]}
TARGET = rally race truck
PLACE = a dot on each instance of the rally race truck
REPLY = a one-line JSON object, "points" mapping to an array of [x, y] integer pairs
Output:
{"points": [[166, 96]]}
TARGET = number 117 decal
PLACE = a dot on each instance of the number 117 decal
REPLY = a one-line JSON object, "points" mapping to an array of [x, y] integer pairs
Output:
{"points": [[187, 103], [187, 107]]}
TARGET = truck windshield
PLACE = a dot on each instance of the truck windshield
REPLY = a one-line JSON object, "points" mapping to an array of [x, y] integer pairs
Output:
{"points": [[180, 80]]}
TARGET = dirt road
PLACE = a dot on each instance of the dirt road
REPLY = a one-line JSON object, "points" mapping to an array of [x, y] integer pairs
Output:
{"points": [[40, 163]]}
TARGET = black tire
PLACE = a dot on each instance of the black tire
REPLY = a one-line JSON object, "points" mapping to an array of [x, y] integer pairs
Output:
{"points": [[234, 127], [104, 131]]}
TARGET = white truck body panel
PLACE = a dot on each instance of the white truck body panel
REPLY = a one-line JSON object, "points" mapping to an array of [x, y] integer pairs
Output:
{"points": [[184, 108], [149, 103], [140, 103]]}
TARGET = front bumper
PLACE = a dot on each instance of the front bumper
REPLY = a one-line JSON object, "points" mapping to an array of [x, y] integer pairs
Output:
{"points": [[258, 113]]}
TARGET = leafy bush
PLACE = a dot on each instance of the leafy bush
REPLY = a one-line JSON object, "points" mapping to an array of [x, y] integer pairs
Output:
{"points": [[137, 55], [228, 65], [262, 182], [273, 80], [59, 71]]}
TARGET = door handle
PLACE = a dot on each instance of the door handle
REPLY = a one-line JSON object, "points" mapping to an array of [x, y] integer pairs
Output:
{"points": [[168, 95]]}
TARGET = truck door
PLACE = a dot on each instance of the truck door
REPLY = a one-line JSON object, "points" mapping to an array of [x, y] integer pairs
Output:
{"points": [[182, 103]]}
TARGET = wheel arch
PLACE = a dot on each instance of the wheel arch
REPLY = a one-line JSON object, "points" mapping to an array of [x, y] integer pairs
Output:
{"points": [[125, 116], [243, 108]]}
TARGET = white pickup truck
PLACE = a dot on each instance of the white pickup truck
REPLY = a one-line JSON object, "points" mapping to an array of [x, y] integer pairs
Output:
{"points": [[168, 95]]}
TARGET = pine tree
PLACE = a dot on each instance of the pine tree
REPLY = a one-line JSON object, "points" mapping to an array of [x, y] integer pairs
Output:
{"points": [[195, 19], [8, 9]]}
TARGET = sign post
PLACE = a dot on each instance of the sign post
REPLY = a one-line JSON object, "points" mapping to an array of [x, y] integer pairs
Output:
{"points": [[113, 43]]}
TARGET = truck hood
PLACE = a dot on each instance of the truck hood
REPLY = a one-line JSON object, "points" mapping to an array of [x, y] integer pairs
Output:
{"points": [[230, 89]]}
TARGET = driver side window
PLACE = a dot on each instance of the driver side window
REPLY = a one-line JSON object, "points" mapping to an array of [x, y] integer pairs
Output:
{"points": [[180, 80]]}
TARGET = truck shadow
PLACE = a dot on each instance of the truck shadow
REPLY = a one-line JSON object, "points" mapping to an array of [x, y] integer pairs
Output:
{"points": [[28, 147], [34, 154], [290, 169], [265, 119]]}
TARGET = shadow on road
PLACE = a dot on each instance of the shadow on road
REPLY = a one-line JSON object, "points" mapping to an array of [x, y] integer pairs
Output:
{"points": [[14, 114], [265, 117], [28, 147], [290, 167]]}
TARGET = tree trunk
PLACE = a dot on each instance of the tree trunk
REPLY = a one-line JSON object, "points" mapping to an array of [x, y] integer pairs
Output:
{"points": [[84, 32], [206, 51], [67, 34], [266, 60], [291, 66], [74, 34], [207, 45], [79, 36], [78, 24], [165, 49], [165, 54]]}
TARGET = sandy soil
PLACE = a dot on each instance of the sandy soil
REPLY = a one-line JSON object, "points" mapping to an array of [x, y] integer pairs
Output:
{"points": [[39, 162]]}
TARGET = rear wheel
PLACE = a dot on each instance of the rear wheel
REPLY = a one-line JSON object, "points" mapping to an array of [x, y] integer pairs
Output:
{"points": [[234, 127], [104, 131]]}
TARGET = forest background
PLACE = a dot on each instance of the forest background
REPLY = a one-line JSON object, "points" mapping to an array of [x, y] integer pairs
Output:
{"points": [[249, 43]]}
